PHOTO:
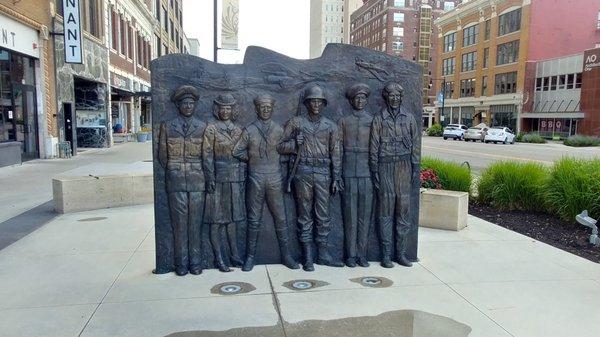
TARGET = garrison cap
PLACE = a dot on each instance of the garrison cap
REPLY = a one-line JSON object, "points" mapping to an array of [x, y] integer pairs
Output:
{"points": [[264, 98], [183, 92]]}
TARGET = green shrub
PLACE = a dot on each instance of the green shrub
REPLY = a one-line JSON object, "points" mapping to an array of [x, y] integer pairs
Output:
{"points": [[574, 186], [435, 130], [519, 137], [532, 138], [510, 185], [452, 176], [580, 140]]}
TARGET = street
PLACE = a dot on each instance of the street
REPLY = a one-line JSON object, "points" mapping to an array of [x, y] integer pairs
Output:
{"points": [[480, 155]]}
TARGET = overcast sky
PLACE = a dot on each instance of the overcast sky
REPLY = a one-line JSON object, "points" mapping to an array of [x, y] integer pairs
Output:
{"points": [[280, 25]]}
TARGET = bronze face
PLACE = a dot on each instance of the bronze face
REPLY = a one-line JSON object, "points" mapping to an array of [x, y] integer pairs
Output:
{"points": [[264, 110], [394, 99], [315, 105], [187, 106], [359, 101], [225, 112]]}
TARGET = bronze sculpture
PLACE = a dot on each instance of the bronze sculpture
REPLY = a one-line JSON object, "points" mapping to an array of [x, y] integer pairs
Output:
{"points": [[258, 147], [179, 153], [225, 180], [357, 197], [314, 140], [394, 164]]}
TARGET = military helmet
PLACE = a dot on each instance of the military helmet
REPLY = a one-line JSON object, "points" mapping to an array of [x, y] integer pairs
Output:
{"points": [[314, 91]]}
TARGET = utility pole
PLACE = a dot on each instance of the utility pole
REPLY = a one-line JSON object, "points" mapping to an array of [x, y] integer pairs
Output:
{"points": [[215, 20], [443, 100]]}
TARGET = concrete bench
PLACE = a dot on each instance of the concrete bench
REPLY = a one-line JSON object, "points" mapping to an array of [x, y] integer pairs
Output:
{"points": [[122, 137], [442, 209], [100, 186]]}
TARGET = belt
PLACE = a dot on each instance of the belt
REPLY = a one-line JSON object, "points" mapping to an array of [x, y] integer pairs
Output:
{"points": [[356, 149], [185, 161], [318, 162], [394, 158]]}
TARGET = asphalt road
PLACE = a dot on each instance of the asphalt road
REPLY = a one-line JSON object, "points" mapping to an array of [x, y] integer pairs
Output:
{"points": [[480, 155]]}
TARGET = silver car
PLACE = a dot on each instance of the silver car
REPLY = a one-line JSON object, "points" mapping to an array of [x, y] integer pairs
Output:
{"points": [[475, 133], [454, 131]]}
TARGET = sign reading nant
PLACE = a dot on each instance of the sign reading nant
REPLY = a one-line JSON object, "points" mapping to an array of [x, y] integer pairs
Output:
{"points": [[72, 30]]}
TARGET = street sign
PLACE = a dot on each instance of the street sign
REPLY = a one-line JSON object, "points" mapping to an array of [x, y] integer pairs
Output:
{"points": [[72, 31], [441, 97]]}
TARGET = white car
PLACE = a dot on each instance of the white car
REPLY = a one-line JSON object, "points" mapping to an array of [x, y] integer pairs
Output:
{"points": [[500, 134], [454, 131]]}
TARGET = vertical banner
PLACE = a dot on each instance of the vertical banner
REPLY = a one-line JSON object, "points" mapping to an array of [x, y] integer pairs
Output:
{"points": [[229, 24], [72, 31]]}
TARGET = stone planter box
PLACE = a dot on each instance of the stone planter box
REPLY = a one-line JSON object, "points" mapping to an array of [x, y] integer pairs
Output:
{"points": [[442, 209], [103, 186]]}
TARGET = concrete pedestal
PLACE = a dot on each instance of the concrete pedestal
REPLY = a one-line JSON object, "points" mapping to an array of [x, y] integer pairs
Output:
{"points": [[442, 209]]}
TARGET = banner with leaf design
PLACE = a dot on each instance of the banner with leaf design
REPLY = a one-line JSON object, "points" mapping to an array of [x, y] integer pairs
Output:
{"points": [[229, 24]]}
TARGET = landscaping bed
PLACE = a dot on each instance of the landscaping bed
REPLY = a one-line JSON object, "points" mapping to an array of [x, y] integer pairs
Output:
{"points": [[568, 236]]}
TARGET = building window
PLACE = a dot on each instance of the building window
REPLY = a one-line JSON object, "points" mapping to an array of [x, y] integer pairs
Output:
{"points": [[484, 85], [509, 22], [448, 89], [157, 10], [448, 5], [470, 35], [469, 60], [399, 3], [92, 18], [130, 41], [449, 42], [578, 80], [507, 52], [172, 30], [448, 66], [123, 36], [114, 22], [486, 57], [398, 31], [398, 17], [505, 83], [166, 20], [398, 46], [467, 87], [488, 27]]}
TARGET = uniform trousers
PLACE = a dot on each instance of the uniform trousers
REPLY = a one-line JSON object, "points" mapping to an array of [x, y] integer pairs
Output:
{"points": [[357, 211], [187, 211], [312, 193]]}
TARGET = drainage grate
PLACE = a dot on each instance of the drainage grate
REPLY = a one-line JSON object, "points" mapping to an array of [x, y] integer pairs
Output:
{"points": [[98, 218]]}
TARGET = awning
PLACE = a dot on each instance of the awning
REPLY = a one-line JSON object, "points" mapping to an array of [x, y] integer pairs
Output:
{"points": [[553, 115]]}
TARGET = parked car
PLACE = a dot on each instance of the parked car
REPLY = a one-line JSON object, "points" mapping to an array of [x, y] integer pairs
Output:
{"points": [[454, 131], [476, 133], [500, 134]]}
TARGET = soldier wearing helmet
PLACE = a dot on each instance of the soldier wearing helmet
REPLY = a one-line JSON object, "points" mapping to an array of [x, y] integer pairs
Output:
{"points": [[357, 198], [179, 153], [314, 141]]}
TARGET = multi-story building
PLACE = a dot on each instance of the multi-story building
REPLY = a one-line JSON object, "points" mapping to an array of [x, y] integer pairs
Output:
{"points": [[28, 123], [350, 6], [194, 46], [495, 53], [326, 24], [403, 28]]}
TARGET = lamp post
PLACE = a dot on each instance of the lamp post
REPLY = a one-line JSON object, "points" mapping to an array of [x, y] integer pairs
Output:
{"points": [[443, 95]]}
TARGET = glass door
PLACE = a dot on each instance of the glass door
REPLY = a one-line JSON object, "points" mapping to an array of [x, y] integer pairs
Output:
{"points": [[25, 119]]}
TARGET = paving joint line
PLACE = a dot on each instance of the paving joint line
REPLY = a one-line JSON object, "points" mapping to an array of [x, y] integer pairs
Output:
{"points": [[113, 284], [466, 300], [276, 302]]}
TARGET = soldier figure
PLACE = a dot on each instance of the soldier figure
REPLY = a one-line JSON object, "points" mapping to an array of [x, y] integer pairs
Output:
{"points": [[315, 172], [179, 153], [258, 147], [394, 164], [225, 180], [357, 198]]}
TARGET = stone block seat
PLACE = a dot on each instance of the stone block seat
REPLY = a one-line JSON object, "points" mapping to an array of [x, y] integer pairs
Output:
{"points": [[441, 209], [100, 186]]}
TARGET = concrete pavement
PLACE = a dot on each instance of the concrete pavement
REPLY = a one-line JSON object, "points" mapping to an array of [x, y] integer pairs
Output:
{"points": [[89, 274], [480, 155]]}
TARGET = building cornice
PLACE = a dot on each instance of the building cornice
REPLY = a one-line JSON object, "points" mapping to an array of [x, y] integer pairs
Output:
{"points": [[465, 9]]}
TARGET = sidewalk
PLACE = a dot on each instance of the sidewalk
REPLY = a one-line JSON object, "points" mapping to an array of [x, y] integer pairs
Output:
{"points": [[26, 186], [89, 274]]}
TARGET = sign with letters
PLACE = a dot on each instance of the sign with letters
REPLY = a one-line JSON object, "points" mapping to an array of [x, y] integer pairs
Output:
{"points": [[72, 31], [18, 37], [591, 59]]}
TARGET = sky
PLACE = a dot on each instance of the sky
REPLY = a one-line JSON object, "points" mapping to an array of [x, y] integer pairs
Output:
{"points": [[280, 25]]}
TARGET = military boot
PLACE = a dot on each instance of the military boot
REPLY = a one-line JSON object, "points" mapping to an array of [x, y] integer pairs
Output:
{"points": [[386, 259], [250, 249], [286, 256], [401, 252], [308, 257], [325, 258]]}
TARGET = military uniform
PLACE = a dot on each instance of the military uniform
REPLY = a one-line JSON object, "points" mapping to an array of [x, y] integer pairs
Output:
{"points": [[319, 164], [258, 147], [357, 197], [179, 152], [224, 206], [393, 157]]}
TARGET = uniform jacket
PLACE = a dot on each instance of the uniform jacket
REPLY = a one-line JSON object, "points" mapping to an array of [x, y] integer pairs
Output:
{"points": [[180, 154], [219, 139], [320, 152], [393, 137], [258, 146], [355, 131]]}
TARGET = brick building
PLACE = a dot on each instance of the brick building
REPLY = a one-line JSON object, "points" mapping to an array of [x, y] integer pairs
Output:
{"points": [[403, 28], [508, 63], [28, 123]]}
